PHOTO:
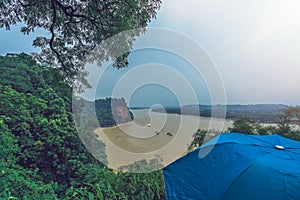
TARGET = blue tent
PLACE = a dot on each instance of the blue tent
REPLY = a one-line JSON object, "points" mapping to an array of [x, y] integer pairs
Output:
{"points": [[239, 166]]}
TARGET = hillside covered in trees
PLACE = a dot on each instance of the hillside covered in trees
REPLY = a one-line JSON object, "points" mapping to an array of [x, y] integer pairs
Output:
{"points": [[42, 156]]}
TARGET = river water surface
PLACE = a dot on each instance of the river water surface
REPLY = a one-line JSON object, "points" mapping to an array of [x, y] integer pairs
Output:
{"points": [[148, 136]]}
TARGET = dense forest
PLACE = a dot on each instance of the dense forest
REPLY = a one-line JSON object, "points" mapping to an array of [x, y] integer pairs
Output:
{"points": [[265, 113], [42, 156]]}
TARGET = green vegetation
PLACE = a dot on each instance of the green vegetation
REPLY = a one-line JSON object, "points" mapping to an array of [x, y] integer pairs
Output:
{"points": [[287, 126], [74, 30], [42, 156], [198, 139], [246, 125]]}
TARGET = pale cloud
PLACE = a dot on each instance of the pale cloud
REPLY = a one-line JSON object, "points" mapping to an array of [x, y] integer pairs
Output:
{"points": [[255, 44]]}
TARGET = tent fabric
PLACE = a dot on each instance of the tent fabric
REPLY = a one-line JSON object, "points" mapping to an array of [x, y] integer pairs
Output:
{"points": [[239, 166]]}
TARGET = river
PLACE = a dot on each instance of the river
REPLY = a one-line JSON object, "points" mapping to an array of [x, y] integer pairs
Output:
{"points": [[146, 137]]}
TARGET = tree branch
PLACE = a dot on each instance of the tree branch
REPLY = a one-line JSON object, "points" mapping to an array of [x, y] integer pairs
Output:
{"points": [[53, 5], [72, 13]]}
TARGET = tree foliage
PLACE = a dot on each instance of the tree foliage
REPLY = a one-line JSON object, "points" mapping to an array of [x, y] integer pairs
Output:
{"points": [[15, 180], [251, 126], [290, 115], [198, 139], [244, 125], [287, 124], [77, 27], [41, 154]]}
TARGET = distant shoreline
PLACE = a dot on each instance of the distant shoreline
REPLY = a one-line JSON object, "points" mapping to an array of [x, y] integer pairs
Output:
{"points": [[263, 113]]}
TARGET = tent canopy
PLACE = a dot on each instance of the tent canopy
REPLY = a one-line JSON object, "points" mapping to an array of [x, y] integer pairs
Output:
{"points": [[239, 166]]}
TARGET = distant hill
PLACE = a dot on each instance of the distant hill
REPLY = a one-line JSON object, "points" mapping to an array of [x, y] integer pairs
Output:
{"points": [[266, 113]]}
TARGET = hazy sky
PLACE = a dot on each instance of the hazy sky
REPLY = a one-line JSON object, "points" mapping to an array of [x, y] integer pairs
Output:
{"points": [[255, 44], [159, 77]]}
